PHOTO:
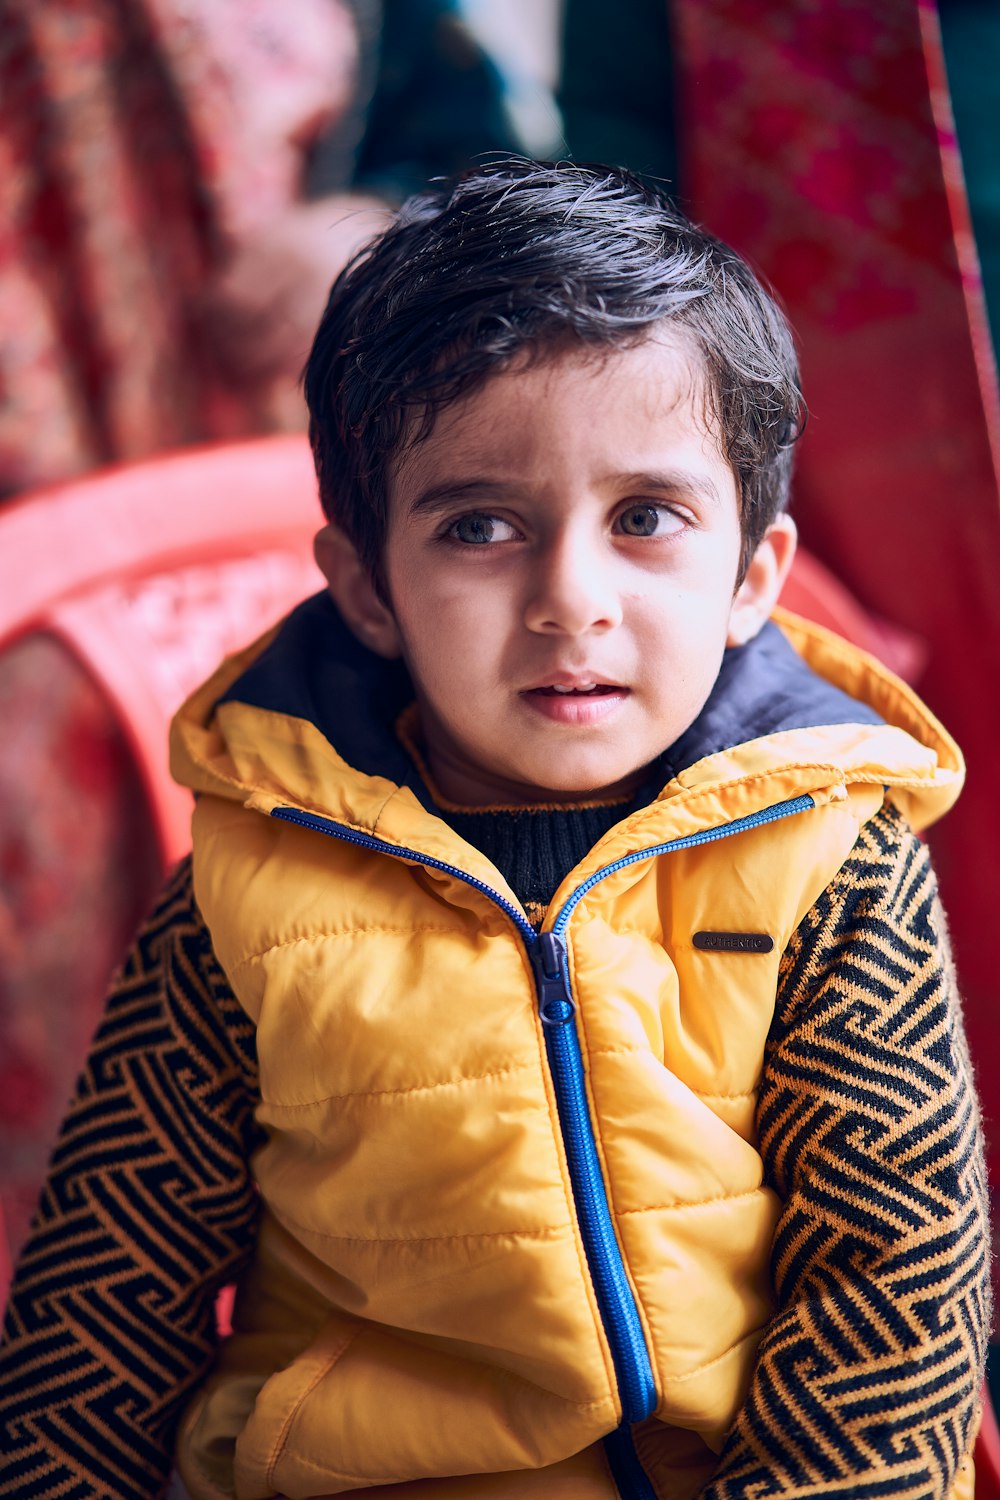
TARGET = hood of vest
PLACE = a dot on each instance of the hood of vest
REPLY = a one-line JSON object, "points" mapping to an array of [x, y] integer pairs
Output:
{"points": [[305, 718]]}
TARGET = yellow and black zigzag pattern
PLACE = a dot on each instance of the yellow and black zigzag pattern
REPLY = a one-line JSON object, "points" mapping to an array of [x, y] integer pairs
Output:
{"points": [[148, 1211], [868, 1379]]}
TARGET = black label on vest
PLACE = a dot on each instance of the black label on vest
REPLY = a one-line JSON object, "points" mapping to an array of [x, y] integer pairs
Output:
{"points": [[734, 942]]}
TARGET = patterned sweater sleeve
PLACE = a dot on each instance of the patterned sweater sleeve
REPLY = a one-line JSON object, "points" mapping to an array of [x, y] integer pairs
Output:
{"points": [[868, 1378], [147, 1212]]}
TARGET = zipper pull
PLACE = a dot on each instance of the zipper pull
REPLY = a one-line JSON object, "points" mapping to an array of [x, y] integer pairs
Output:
{"points": [[548, 958]]}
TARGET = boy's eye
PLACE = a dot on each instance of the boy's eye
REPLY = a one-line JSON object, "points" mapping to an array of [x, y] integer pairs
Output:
{"points": [[478, 529], [646, 520]]}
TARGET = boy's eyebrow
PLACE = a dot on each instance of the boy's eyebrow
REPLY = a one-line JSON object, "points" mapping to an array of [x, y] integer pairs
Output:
{"points": [[677, 482], [437, 496]]}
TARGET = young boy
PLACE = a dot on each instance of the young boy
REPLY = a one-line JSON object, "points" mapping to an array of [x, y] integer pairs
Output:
{"points": [[555, 1034]]}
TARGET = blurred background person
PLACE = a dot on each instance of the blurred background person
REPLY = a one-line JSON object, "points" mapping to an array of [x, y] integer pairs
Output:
{"points": [[180, 182]]}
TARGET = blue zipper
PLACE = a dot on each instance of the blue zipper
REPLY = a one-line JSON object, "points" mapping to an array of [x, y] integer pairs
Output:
{"points": [[636, 1383], [547, 953]]}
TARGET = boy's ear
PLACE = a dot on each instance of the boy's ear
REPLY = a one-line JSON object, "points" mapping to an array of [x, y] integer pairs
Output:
{"points": [[354, 593], [758, 593]]}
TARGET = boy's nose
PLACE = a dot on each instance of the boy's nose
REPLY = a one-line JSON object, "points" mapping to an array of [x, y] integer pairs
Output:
{"points": [[573, 592]]}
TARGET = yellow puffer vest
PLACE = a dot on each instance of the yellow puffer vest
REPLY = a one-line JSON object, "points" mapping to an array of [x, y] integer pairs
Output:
{"points": [[427, 1299]]}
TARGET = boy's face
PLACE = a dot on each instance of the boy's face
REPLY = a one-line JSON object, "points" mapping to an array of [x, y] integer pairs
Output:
{"points": [[561, 563]]}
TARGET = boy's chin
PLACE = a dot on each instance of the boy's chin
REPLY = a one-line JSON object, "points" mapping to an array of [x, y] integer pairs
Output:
{"points": [[471, 780]]}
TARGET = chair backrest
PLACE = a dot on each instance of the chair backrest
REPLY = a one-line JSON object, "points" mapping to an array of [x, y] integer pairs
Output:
{"points": [[150, 573]]}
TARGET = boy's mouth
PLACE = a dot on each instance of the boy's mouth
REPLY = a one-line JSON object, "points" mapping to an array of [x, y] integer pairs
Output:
{"points": [[591, 690], [579, 702]]}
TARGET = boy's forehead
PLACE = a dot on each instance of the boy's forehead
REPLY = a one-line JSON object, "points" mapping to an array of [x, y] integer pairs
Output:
{"points": [[643, 388]]}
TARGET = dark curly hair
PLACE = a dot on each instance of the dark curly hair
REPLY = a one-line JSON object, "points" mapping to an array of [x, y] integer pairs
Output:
{"points": [[522, 256]]}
